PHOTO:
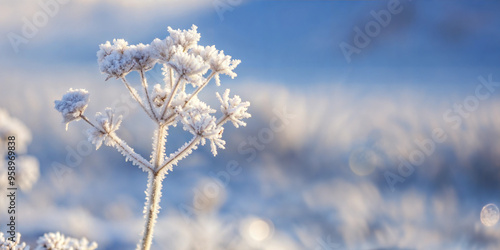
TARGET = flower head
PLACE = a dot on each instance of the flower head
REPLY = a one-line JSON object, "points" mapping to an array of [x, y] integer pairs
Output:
{"points": [[185, 38], [57, 240], [163, 50], [142, 56], [72, 105], [197, 119], [234, 108], [190, 67], [5, 243], [107, 124], [222, 64], [114, 60]]}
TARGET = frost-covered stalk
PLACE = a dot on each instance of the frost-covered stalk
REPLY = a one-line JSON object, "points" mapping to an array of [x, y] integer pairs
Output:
{"points": [[184, 62]]}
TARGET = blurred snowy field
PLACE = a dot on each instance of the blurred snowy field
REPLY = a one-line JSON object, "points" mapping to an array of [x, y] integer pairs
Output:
{"points": [[398, 148]]}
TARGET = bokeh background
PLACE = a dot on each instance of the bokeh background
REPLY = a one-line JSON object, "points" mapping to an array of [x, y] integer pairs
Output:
{"points": [[395, 146]]}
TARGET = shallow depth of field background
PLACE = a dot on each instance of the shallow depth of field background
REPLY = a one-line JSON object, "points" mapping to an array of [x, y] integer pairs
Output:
{"points": [[314, 179]]}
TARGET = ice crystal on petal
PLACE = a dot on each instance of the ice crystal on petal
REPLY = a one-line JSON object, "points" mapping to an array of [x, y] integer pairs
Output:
{"points": [[222, 64], [185, 38], [72, 105], [190, 67], [234, 108], [107, 124], [142, 56], [163, 50], [114, 60], [6, 244], [206, 53]]}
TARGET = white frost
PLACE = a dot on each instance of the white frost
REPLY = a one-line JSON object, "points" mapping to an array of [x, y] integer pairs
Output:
{"points": [[72, 104]]}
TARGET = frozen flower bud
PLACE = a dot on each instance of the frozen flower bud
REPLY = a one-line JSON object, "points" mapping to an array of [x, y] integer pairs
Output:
{"points": [[72, 105], [189, 67], [142, 56], [222, 64], [7, 244], [114, 60], [234, 108], [107, 124], [51, 241], [163, 50], [185, 38]]}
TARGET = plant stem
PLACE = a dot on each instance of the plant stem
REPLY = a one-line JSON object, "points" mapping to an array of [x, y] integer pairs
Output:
{"points": [[152, 206], [151, 209]]}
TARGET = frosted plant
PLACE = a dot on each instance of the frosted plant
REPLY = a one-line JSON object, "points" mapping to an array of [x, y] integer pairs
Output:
{"points": [[6, 244], [27, 167], [183, 62], [57, 241]]}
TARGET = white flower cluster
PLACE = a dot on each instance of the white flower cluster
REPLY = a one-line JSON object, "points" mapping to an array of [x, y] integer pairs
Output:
{"points": [[6, 244], [72, 105], [106, 126], [233, 108], [57, 241], [197, 119], [27, 167]]}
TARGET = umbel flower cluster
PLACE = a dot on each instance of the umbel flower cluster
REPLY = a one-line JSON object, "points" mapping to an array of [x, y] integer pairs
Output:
{"points": [[185, 66], [49, 241]]}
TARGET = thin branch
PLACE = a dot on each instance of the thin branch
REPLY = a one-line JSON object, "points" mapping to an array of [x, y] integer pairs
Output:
{"points": [[120, 144], [145, 85], [134, 94], [195, 93], [171, 97], [171, 78], [181, 153], [222, 120], [171, 118]]}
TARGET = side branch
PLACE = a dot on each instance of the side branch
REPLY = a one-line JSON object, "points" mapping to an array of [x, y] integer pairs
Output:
{"points": [[181, 153], [123, 148], [134, 94], [145, 86], [195, 93], [171, 97], [171, 118]]}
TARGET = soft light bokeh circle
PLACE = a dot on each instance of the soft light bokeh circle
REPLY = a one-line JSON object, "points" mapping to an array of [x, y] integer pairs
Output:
{"points": [[363, 161], [490, 215], [257, 230]]}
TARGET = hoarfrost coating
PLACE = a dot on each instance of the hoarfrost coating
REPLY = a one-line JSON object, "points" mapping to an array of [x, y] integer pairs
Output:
{"points": [[183, 62], [72, 105]]}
